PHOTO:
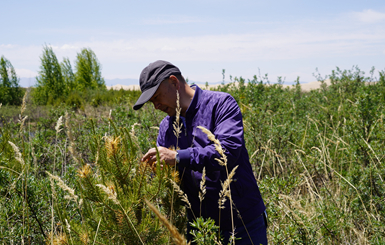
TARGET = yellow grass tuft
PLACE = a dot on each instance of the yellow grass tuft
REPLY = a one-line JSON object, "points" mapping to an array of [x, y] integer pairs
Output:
{"points": [[84, 171], [112, 145], [59, 239]]}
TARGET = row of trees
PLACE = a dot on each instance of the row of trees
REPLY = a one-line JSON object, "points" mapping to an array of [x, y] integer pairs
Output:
{"points": [[57, 80]]}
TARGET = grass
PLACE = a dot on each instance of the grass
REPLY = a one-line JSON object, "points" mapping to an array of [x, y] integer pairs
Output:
{"points": [[318, 158]]}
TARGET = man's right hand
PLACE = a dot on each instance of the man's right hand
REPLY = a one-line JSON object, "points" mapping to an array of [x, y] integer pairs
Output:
{"points": [[166, 155]]}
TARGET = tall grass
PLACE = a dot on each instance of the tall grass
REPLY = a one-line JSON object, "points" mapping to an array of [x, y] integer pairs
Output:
{"points": [[318, 158]]}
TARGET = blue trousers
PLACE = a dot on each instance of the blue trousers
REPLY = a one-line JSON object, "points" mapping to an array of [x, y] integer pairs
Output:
{"points": [[256, 230]]}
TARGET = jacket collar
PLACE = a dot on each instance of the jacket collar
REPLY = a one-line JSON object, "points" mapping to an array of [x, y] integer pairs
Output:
{"points": [[194, 105]]}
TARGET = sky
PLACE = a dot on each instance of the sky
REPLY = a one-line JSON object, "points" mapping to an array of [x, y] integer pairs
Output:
{"points": [[245, 37]]}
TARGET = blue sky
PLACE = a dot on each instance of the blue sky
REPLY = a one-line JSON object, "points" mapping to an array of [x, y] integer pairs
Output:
{"points": [[280, 38]]}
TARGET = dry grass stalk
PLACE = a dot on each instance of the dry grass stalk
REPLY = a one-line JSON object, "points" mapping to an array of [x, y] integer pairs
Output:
{"points": [[22, 121], [59, 123], [202, 191], [133, 128], [177, 237], [18, 155], [71, 147], [111, 194], [64, 187], [181, 194], [226, 191], [218, 147], [177, 125], [68, 226], [203, 185], [24, 103]]}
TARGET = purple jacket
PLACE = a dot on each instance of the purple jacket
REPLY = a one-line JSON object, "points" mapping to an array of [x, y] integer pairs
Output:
{"points": [[220, 113]]}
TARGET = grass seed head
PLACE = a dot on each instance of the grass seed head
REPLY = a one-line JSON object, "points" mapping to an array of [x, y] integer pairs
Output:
{"points": [[64, 187], [59, 123], [111, 194], [203, 185], [18, 155]]}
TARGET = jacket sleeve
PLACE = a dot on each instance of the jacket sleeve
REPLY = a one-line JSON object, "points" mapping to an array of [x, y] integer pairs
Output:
{"points": [[227, 127]]}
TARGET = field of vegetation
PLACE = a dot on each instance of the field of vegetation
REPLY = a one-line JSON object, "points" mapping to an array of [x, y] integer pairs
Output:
{"points": [[70, 170]]}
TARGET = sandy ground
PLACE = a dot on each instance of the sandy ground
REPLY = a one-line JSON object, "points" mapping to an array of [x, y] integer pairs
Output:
{"points": [[304, 86]]}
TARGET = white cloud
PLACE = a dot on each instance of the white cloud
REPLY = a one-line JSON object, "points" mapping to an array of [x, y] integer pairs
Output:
{"points": [[292, 42], [370, 16], [25, 73]]}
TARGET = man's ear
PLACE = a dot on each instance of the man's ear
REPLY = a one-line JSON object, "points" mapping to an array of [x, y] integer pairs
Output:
{"points": [[173, 80]]}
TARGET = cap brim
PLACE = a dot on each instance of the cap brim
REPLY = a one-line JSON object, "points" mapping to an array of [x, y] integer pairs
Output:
{"points": [[145, 96]]}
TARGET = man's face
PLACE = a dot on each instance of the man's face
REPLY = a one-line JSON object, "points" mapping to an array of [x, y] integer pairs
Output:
{"points": [[164, 98]]}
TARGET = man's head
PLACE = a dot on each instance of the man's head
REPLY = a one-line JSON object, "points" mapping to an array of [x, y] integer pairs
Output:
{"points": [[152, 77]]}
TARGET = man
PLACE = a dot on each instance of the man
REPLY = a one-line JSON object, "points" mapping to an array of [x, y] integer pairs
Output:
{"points": [[218, 112]]}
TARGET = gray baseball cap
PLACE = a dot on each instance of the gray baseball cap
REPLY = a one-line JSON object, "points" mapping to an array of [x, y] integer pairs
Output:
{"points": [[151, 77]]}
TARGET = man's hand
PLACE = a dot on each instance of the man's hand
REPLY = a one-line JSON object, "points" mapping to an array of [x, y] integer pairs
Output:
{"points": [[165, 155]]}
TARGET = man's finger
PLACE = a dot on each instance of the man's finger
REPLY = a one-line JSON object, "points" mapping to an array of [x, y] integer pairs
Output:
{"points": [[149, 154]]}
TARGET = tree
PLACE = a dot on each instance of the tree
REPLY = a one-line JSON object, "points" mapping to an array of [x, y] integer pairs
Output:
{"points": [[88, 71], [10, 92], [68, 75], [50, 82]]}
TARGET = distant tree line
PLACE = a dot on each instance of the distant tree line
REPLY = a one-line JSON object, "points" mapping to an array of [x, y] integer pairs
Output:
{"points": [[56, 82]]}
